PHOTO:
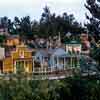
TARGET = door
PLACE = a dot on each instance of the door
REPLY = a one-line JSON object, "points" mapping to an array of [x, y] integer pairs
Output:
{"points": [[20, 66]]}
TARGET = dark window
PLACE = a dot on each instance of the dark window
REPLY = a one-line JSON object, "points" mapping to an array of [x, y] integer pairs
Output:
{"points": [[1, 63], [1, 66]]}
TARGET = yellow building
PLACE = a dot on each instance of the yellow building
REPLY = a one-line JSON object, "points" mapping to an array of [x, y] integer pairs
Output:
{"points": [[12, 40], [20, 59]]}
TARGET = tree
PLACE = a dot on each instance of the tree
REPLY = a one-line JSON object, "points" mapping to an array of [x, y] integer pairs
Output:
{"points": [[4, 23], [45, 22], [10, 26], [51, 24], [17, 25], [2, 39], [35, 27], [96, 55], [94, 22], [26, 28]]}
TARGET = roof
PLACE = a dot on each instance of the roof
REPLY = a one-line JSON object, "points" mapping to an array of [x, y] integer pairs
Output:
{"points": [[13, 36], [42, 53], [51, 51], [73, 42], [60, 52]]}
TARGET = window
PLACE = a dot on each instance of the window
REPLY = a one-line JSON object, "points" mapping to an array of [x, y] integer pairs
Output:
{"points": [[21, 53], [1, 66]]}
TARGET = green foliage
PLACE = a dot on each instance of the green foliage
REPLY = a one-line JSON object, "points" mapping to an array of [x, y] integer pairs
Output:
{"points": [[76, 88], [93, 26], [95, 54], [49, 24], [2, 38]]}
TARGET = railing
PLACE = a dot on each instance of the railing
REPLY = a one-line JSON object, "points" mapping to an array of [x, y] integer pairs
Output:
{"points": [[55, 70], [51, 73]]}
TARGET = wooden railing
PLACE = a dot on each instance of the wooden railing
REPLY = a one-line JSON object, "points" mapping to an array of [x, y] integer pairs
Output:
{"points": [[48, 71]]}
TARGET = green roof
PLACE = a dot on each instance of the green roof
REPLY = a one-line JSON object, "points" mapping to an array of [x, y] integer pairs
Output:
{"points": [[73, 42]]}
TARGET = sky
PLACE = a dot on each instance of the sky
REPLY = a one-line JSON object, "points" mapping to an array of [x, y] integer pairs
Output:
{"points": [[34, 8]]}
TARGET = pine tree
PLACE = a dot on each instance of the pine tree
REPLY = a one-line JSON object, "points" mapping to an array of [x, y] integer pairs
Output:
{"points": [[94, 22]]}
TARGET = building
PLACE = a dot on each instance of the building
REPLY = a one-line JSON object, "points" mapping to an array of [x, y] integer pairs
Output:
{"points": [[85, 44], [4, 31], [58, 58], [2, 56], [12, 41], [2, 53], [73, 49], [19, 60]]}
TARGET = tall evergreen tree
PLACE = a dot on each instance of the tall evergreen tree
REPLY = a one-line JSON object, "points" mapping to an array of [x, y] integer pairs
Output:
{"points": [[51, 24], [94, 22], [94, 25]]}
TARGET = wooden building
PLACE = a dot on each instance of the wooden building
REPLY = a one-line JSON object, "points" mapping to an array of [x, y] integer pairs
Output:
{"points": [[74, 49], [19, 60], [2, 56], [12, 41]]}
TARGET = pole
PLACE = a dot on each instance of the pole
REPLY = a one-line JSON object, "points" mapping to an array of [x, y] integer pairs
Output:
{"points": [[64, 63], [33, 64], [59, 40]]}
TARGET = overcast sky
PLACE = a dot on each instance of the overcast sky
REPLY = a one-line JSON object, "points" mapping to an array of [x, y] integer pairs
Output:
{"points": [[34, 8]]}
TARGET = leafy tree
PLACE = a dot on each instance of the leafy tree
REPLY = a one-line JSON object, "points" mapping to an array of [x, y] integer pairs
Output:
{"points": [[96, 55], [75, 88], [2, 38]]}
